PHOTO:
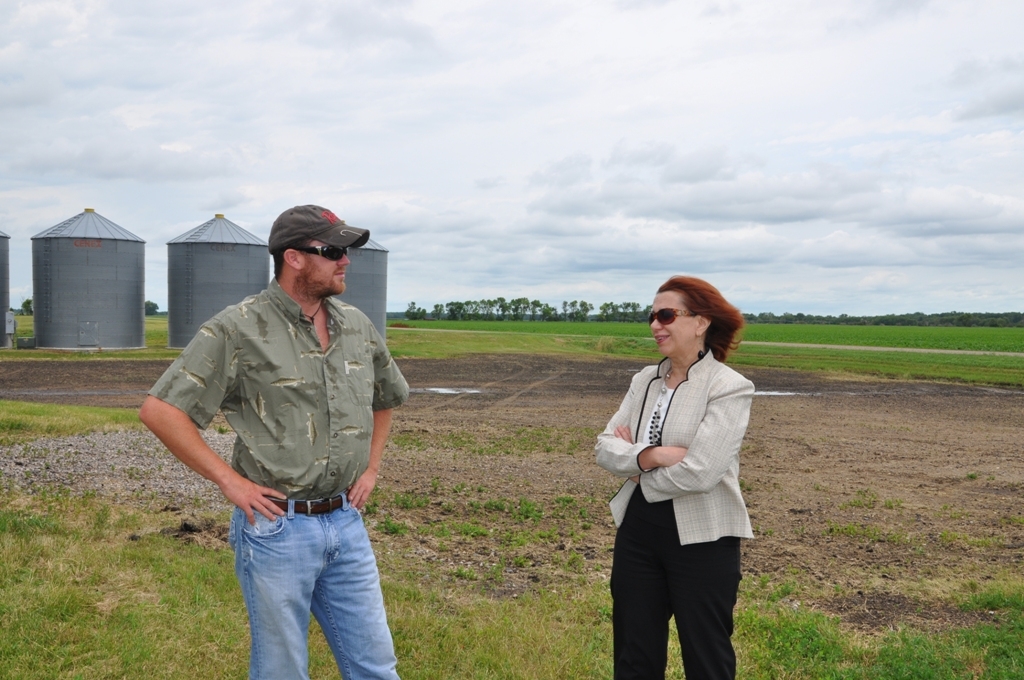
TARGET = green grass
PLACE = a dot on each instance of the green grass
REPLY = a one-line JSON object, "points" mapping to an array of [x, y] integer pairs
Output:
{"points": [[156, 331], [447, 344], [89, 590], [920, 337], [977, 369], [23, 421], [78, 599], [407, 501]]}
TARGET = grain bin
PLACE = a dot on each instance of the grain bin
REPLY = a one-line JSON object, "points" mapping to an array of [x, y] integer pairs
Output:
{"points": [[88, 285], [208, 268], [366, 283], [5, 287]]}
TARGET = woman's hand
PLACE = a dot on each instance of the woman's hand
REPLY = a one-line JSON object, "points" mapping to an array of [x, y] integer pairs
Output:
{"points": [[654, 456], [661, 456]]}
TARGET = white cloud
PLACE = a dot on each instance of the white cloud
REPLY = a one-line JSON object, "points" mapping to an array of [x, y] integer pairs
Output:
{"points": [[123, 157], [1007, 101], [229, 198], [884, 280], [567, 172]]}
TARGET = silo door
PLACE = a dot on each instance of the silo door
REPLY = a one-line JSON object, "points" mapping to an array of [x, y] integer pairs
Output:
{"points": [[87, 331]]}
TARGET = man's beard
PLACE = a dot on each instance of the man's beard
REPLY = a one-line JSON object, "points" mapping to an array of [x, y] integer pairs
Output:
{"points": [[311, 289]]}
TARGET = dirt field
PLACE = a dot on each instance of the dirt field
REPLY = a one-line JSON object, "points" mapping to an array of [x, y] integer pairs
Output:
{"points": [[877, 498]]}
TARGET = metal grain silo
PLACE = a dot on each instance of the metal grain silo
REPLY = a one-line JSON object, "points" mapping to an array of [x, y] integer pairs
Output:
{"points": [[5, 287], [208, 268], [88, 285], [366, 283]]}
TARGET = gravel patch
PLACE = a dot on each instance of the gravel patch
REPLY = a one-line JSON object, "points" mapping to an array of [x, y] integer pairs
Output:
{"points": [[121, 466]]}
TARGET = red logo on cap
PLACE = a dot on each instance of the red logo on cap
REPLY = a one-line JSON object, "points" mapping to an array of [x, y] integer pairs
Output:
{"points": [[329, 216]]}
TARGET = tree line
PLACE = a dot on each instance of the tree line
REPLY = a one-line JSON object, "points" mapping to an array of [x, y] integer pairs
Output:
{"points": [[525, 309], [152, 308]]}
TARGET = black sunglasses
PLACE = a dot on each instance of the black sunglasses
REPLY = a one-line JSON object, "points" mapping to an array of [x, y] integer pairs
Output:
{"points": [[333, 253], [666, 316]]}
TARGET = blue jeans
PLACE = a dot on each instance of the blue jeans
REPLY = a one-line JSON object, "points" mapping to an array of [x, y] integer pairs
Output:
{"points": [[322, 564]]}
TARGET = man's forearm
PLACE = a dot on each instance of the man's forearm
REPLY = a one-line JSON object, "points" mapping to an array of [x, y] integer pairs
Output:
{"points": [[381, 431]]}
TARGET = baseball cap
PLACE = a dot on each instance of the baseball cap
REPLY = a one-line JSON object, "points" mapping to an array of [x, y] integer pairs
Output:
{"points": [[308, 222]]}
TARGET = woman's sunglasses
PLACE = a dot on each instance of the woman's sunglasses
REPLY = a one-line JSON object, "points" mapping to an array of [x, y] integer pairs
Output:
{"points": [[666, 316], [333, 253]]}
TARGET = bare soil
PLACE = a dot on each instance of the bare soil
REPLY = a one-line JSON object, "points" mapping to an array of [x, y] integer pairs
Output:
{"points": [[877, 500]]}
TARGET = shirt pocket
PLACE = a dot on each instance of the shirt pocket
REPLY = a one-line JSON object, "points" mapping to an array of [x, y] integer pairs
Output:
{"points": [[358, 370]]}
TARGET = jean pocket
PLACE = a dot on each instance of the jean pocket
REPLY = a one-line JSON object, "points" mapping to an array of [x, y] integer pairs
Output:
{"points": [[263, 528]]}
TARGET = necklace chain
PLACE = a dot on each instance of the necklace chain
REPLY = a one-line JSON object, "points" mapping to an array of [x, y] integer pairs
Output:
{"points": [[313, 315]]}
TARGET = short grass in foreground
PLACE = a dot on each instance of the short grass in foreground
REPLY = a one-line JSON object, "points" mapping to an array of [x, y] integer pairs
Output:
{"points": [[23, 421], [90, 590]]}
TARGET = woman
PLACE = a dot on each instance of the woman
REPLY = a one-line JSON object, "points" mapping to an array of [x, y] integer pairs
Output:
{"points": [[676, 438]]}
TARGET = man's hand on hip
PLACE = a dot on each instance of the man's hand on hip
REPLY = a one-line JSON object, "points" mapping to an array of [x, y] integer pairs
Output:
{"points": [[179, 434], [359, 492], [252, 498]]}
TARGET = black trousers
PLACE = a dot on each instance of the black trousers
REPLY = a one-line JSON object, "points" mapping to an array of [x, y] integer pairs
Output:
{"points": [[655, 578]]}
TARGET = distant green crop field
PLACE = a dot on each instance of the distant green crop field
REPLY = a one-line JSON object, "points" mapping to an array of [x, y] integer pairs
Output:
{"points": [[979, 369], [921, 337]]}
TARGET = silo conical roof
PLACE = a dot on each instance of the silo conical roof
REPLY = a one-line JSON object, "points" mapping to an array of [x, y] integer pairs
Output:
{"points": [[3, 235], [89, 224], [372, 245], [218, 230]]}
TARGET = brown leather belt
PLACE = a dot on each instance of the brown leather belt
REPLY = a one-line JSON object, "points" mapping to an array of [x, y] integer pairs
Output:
{"points": [[317, 507]]}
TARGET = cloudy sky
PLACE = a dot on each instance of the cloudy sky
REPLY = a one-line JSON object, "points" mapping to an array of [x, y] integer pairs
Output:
{"points": [[861, 156]]}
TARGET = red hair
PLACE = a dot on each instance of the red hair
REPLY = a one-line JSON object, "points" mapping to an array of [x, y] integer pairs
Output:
{"points": [[704, 299]]}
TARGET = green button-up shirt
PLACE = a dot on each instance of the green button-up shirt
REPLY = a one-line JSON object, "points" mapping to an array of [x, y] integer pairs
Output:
{"points": [[303, 415]]}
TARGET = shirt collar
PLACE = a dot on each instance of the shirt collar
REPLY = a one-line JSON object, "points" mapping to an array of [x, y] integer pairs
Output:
{"points": [[291, 308], [697, 368]]}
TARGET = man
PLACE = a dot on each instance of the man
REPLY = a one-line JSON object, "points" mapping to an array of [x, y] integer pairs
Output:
{"points": [[308, 385]]}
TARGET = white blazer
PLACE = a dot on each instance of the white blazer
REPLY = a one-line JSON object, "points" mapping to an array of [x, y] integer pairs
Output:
{"points": [[708, 415]]}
